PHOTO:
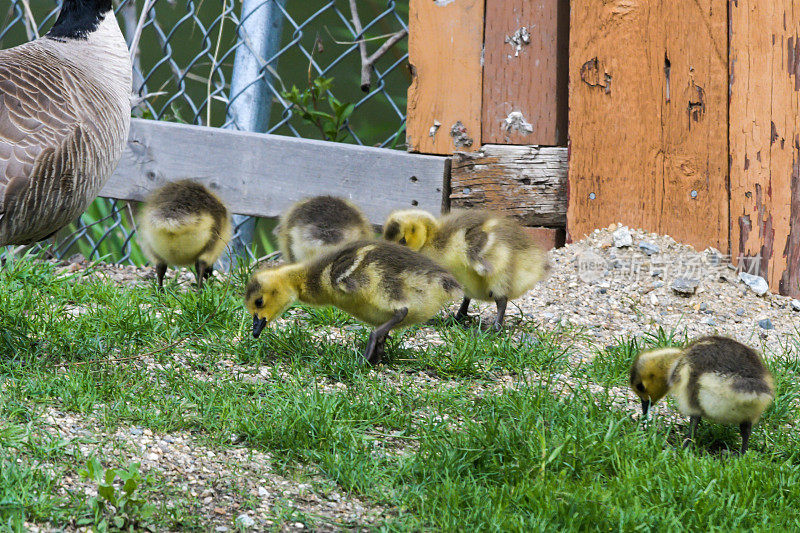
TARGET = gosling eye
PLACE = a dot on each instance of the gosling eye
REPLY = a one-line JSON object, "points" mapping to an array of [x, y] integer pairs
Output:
{"points": [[640, 387], [274, 292], [413, 230], [260, 302]]}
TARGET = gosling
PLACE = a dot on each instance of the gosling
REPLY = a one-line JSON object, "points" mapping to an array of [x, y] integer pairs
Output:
{"points": [[489, 254], [382, 284], [714, 377], [183, 223], [316, 225]]}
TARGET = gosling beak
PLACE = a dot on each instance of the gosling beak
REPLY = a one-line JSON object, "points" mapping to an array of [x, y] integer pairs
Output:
{"points": [[258, 325], [645, 407], [402, 241]]}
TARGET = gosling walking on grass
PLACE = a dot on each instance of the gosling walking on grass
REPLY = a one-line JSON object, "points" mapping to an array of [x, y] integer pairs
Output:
{"points": [[183, 223], [383, 284], [714, 377], [491, 255]]}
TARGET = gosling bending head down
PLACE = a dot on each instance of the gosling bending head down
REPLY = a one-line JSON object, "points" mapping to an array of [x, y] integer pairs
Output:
{"points": [[713, 377], [382, 284], [491, 255]]}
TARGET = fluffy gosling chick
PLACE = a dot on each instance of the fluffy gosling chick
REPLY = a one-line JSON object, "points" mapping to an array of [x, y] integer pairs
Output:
{"points": [[316, 225], [714, 377], [383, 284], [489, 254], [183, 223]]}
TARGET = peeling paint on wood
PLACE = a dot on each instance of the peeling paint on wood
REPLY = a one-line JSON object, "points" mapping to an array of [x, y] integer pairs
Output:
{"points": [[648, 118], [525, 71], [764, 147]]}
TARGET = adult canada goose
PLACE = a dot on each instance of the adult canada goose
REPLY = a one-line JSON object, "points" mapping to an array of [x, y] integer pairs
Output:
{"points": [[64, 120]]}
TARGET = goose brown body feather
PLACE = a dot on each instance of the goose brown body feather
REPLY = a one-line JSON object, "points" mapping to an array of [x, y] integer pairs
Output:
{"points": [[64, 120]]}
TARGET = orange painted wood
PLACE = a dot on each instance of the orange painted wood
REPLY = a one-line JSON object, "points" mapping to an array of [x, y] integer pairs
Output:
{"points": [[445, 45], [648, 118], [444, 99], [525, 71], [764, 140]]}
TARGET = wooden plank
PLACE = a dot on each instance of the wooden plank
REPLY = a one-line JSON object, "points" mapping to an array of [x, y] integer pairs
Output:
{"points": [[765, 140], [648, 135], [259, 174], [444, 99], [526, 72], [528, 182], [548, 238]]}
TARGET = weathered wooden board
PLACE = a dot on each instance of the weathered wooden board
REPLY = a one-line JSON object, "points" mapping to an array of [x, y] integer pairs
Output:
{"points": [[528, 182], [525, 72], [259, 174], [444, 99], [648, 105], [765, 140]]}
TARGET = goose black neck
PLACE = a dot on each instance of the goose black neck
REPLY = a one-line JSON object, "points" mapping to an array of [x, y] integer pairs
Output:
{"points": [[79, 18]]}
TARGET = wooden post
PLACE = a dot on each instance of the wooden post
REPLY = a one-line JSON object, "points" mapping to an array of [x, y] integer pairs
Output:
{"points": [[765, 139], [444, 99], [648, 118], [525, 72]]}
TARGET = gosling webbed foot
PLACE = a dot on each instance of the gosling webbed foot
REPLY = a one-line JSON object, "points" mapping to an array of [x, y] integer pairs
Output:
{"points": [[462, 315], [202, 272], [694, 421]]}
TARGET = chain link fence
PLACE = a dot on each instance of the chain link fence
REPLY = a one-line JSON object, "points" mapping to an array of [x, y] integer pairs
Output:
{"points": [[187, 69]]}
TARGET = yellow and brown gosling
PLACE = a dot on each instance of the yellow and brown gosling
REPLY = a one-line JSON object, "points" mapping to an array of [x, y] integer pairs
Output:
{"points": [[183, 223], [491, 255], [714, 377], [382, 284], [316, 225]]}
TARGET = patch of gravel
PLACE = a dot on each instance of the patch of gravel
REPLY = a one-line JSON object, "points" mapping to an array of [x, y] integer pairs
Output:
{"points": [[611, 291], [220, 484]]}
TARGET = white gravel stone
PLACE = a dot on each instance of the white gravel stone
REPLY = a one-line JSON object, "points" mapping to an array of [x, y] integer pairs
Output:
{"points": [[758, 284], [622, 237], [245, 521]]}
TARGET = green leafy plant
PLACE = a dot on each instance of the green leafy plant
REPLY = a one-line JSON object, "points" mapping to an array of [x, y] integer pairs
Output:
{"points": [[308, 102], [118, 506]]}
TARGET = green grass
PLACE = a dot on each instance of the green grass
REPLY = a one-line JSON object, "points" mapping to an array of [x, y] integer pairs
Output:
{"points": [[466, 453]]}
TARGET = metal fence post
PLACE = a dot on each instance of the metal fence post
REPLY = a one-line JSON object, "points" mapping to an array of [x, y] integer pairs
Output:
{"points": [[250, 100]]}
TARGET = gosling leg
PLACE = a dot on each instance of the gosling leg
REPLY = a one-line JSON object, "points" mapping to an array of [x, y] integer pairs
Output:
{"points": [[200, 271], [377, 338], [745, 428], [694, 421], [501, 313], [161, 269], [462, 315]]}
